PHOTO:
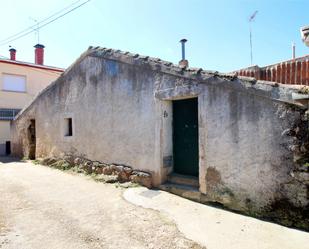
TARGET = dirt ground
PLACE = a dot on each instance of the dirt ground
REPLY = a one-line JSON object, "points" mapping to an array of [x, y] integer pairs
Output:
{"points": [[47, 208]]}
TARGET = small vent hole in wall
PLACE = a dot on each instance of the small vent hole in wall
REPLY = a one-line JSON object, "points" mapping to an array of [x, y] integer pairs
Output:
{"points": [[68, 128]]}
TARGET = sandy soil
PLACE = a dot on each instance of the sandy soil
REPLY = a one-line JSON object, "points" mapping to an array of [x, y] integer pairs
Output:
{"points": [[46, 208]]}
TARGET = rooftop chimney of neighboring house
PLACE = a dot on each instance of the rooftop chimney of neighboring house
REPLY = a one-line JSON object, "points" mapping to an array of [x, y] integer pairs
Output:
{"points": [[39, 54], [183, 62], [12, 54]]}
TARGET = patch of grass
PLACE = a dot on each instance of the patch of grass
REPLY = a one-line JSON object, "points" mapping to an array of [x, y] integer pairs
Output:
{"points": [[127, 185], [78, 169], [61, 164], [36, 162]]}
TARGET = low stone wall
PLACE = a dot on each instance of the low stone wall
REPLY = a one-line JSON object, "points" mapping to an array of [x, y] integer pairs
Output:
{"points": [[117, 173]]}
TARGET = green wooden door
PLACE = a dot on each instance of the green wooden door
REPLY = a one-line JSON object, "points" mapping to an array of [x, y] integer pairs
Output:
{"points": [[185, 136]]}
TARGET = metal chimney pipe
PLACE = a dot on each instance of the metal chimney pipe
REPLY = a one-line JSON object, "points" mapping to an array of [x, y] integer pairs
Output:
{"points": [[183, 63], [183, 49], [293, 50]]}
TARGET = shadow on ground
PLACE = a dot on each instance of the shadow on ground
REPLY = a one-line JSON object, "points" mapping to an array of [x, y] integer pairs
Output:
{"points": [[9, 159]]}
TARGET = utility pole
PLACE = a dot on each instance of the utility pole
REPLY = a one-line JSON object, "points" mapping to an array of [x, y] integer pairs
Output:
{"points": [[251, 19]]}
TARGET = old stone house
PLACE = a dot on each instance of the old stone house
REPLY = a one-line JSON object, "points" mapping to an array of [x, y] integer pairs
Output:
{"points": [[245, 141]]}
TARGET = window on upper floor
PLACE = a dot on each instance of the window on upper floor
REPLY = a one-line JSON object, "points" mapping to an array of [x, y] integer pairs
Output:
{"points": [[14, 83]]}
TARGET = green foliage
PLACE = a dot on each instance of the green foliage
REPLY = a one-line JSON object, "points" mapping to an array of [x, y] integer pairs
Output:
{"points": [[36, 162], [61, 164], [306, 165]]}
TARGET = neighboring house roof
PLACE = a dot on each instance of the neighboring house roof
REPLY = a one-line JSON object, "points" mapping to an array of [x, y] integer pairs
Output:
{"points": [[28, 64], [294, 71]]}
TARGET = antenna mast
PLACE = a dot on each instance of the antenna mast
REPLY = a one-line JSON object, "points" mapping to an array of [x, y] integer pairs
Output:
{"points": [[251, 19], [37, 29]]}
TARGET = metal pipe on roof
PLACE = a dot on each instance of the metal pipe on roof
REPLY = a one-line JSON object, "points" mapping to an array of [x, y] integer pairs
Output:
{"points": [[183, 52]]}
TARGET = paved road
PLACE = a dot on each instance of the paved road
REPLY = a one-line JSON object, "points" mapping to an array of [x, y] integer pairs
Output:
{"points": [[46, 208], [216, 228]]}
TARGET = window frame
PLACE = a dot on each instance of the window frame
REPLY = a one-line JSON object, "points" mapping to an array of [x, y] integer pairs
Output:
{"points": [[16, 75], [12, 112], [68, 130]]}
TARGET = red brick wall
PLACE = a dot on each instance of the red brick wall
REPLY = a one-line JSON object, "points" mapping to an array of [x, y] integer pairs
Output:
{"points": [[287, 72], [39, 56]]}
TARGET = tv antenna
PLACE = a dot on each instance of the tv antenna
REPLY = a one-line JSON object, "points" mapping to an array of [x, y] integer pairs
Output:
{"points": [[251, 19], [37, 29]]}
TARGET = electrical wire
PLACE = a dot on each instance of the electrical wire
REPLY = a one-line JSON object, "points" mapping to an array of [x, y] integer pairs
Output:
{"points": [[4, 57], [33, 27], [42, 25]]}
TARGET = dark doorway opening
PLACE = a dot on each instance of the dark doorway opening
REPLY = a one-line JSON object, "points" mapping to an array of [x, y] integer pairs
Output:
{"points": [[32, 139], [68, 127], [185, 137], [8, 147]]}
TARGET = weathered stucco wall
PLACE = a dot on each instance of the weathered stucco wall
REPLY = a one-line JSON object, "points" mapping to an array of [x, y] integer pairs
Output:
{"points": [[112, 108], [253, 144], [253, 140], [251, 150]]}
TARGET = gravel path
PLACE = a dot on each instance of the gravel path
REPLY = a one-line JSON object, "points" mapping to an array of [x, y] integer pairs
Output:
{"points": [[46, 208]]}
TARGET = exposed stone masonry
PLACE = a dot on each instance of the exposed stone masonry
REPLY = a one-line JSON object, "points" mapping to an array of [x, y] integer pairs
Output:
{"points": [[116, 173]]}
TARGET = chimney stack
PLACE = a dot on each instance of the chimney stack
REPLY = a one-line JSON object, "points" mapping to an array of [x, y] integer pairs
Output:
{"points": [[183, 62], [39, 54], [12, 54]]}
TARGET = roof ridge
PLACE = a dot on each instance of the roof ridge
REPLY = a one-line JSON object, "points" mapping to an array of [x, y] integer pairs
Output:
{"points": [[7, 60], [135, 58], [171, 68], [197, 74]]}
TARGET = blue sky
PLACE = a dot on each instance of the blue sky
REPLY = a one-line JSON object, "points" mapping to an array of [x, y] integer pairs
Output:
{"points": [[217, 31]]}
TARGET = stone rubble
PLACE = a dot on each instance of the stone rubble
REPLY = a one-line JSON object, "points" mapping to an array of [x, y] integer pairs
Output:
{"points": [[108, 173]]}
